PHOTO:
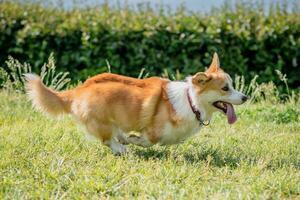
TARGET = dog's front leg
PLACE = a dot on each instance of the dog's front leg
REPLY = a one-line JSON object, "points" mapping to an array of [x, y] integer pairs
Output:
{"points": [[116, 147], [142, 140]]}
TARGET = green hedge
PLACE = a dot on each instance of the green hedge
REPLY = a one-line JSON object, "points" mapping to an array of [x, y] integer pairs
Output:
{"points": [[248, 41]]}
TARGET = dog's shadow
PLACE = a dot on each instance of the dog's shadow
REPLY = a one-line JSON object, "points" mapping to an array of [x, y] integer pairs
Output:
{"points": [[151, 154], [211, 156]]}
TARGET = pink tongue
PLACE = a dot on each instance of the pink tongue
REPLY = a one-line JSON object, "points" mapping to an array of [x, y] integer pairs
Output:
{"points": [[231, 117]]}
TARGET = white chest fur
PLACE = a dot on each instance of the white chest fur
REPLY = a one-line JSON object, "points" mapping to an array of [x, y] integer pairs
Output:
{"points": [[177, 94], [176, 134]]}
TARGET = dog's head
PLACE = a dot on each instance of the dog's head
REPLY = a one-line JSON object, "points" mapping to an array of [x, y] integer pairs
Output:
{"points": [[215, 92]]}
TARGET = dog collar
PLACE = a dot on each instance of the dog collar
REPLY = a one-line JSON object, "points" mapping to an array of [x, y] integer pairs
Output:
{"points": [[195, 110]]}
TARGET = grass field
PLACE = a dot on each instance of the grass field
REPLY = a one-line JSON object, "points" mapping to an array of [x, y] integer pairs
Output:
{"points": [[256, 158]]}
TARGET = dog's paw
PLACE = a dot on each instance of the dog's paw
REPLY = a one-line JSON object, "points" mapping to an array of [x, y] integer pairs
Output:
{"points": [[120, 150], [116, 147]]}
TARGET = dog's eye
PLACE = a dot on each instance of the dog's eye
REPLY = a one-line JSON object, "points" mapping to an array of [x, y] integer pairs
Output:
{"points": [[226, 88]]}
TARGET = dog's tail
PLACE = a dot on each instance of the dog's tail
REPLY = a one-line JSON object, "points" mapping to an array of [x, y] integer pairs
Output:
{"points": [[45, 99]]}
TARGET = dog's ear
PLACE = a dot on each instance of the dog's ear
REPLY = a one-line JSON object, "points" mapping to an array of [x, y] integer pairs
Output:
{"points": [[215, 64], [201, 78]]}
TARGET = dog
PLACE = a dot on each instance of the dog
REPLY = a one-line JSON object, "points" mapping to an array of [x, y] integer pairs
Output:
{"points": [[164, 112]]}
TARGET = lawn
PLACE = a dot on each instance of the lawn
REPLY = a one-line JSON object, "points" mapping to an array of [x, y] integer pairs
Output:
{"points": [[258, 157]]}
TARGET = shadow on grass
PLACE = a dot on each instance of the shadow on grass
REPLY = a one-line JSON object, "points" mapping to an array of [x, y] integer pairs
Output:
{"points": [[213, 157], [148, 154]]}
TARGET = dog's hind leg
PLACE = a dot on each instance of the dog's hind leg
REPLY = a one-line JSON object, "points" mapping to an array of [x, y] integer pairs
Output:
{"points": [[106, 133]]}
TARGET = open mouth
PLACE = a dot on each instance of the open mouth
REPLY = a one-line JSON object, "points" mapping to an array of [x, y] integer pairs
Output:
{"points": [[227, 109]]}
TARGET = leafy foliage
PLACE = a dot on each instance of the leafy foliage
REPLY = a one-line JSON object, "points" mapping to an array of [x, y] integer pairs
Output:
{"points": [[249, 41]]}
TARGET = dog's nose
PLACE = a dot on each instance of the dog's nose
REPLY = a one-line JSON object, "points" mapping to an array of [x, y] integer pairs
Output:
{"points": [[244, 98]]}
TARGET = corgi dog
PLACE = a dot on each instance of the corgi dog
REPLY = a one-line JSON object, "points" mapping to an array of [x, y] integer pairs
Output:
{"points": [[164, 112]]}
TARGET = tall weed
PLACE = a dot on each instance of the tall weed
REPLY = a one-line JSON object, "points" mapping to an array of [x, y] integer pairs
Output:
{"points": [[12, 77]]}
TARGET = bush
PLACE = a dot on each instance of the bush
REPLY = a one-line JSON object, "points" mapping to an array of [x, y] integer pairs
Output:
{"points": [[249, 41]]}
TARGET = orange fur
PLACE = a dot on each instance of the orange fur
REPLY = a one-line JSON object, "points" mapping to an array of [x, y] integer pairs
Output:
{"points": [[109, 99]]}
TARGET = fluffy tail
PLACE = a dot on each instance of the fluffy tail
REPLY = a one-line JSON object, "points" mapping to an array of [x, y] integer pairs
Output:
{"points": [[45, 99]]}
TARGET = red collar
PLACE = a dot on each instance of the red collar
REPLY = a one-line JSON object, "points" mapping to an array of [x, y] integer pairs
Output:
{"points": [[195, 110]]}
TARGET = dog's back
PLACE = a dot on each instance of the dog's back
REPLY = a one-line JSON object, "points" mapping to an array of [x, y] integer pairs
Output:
{"points": [[112, 98]]}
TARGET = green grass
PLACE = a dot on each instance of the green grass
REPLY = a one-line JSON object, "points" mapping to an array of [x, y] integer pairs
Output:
{"points": [[258, 157]]}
